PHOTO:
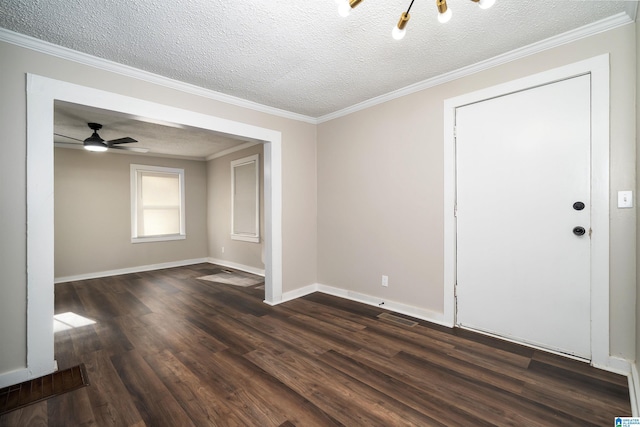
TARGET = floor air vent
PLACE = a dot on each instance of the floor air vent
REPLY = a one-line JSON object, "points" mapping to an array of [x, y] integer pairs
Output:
{"points": [[39, 389], [397, 320]]}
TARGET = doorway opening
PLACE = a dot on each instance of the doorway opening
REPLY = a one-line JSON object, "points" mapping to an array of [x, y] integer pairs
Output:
{"points": [[41, 94]]}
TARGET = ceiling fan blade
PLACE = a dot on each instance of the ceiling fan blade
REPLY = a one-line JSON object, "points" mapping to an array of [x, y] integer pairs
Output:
{"points": [[137, 150], [69, 137], [125, 140], [67, 145]]}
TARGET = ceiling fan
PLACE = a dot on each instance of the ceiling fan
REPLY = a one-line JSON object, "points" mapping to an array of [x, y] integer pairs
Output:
{"points": [[95, 143]]}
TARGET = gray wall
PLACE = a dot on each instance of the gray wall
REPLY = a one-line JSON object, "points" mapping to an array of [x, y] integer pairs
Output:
{"points": [[219, 218], [298, 186], [381, 180], [93, 213]]}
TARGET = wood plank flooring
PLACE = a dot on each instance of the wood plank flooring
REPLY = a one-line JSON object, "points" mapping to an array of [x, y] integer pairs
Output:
{"points": [[168, 349]]}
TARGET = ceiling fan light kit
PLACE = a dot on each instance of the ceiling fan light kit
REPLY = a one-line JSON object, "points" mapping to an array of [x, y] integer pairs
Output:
{"points": [[97, 144], [94, 142], [399, 31]]}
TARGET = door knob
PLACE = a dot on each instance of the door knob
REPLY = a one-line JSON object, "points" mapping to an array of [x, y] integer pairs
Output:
{"points": [[579, 231]]}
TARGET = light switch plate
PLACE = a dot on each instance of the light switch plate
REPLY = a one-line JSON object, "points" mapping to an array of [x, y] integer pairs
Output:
{"points": [[625, 199]]}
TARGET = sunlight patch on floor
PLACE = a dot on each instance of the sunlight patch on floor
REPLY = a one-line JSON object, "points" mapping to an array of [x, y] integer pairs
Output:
{"points": [[69, 320]]}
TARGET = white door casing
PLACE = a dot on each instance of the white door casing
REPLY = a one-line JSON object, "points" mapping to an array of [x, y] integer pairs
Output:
{"points": [[522, 161], [598, 68]]}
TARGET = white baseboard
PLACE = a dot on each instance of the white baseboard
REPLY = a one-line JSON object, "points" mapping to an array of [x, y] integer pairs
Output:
{"points": [[241, 267], [418, 313], [634, 390], [615, 364], [160, 266], [25, 374], [129, 270], [297, 293], [14, 377], [396, 307]]}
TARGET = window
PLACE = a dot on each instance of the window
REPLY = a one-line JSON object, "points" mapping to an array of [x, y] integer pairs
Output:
{"points": [[157, 204], [245, 199]]}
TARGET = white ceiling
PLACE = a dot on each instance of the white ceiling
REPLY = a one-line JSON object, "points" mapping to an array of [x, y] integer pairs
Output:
{"points": [[301, 57]]}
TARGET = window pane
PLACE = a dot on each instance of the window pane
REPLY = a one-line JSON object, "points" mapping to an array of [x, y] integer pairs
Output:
{"points": [[160, 221], [157, 198], [244, 201], [160, 190]]}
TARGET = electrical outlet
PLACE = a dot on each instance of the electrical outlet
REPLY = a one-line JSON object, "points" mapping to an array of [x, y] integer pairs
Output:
{"points": [[385, 280], [223, 249]]}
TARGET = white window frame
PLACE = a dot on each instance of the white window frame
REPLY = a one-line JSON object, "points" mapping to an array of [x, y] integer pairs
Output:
{"points": [[135, 169], [254, 238]]}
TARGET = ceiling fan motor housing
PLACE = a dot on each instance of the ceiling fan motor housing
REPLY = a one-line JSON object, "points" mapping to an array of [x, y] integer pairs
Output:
{"points": [[95, 126]]}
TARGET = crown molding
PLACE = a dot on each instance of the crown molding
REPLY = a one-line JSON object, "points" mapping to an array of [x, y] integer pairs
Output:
{"points": [[612, 22], [125, 70], [231, 150], [597, 27], [631, 9]]}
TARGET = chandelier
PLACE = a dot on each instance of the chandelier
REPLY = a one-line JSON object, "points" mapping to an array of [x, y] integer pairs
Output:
{"points": [[399, 30]]}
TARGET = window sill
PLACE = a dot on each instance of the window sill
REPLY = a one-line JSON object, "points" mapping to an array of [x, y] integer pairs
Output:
{"points": [[166, 238], [246, 238]]}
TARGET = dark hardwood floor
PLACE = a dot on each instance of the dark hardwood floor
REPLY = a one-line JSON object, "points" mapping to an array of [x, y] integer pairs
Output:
{"points": [[168, 349]]}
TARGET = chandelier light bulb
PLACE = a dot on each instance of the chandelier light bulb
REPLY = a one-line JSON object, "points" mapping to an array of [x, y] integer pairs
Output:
{"points": [[486, 4], [443, 18], [399, 30], [397, 33], [344, 8]]}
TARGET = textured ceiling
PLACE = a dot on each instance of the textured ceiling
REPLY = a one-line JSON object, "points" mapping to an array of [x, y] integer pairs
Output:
{"points": [[300, 57], [296, 56], [166, 139]]}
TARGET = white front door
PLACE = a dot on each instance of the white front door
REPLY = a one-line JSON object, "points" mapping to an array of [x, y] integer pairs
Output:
{"points": [[522, 171]]}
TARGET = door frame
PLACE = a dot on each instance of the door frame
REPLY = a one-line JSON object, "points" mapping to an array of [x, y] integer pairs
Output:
{"points": [[598, 68]]}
